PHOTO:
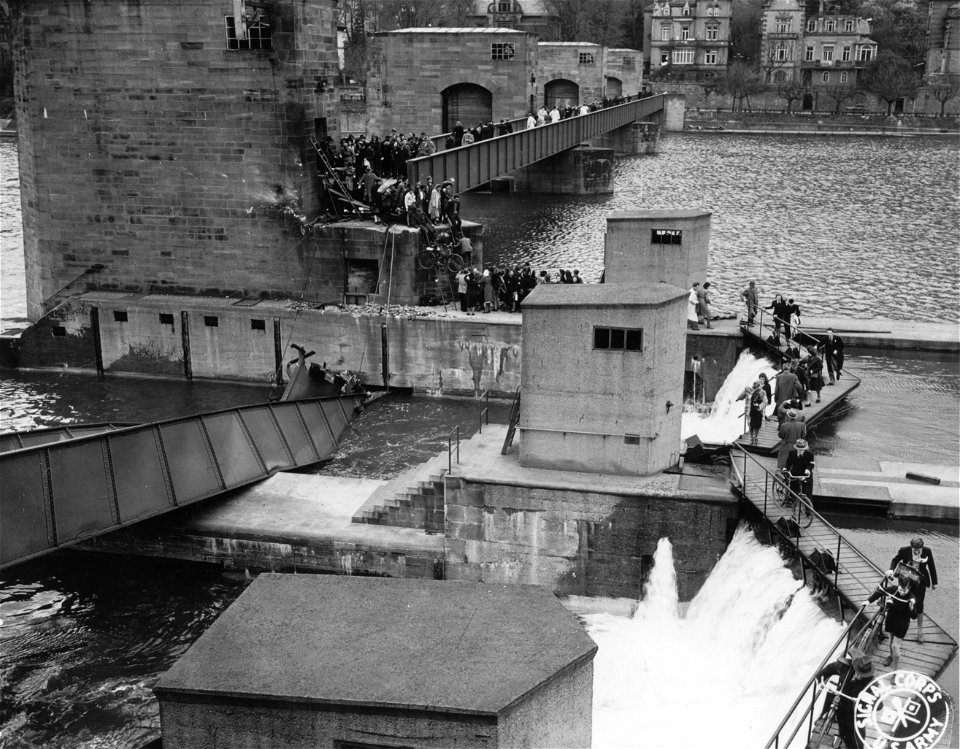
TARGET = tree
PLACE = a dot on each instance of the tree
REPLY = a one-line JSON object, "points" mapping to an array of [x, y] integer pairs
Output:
{"points": [[611, 23], [741, 82], [840, 92], [892, 79], [745, 30], [899, 28], [943, 89], [791, 91]]}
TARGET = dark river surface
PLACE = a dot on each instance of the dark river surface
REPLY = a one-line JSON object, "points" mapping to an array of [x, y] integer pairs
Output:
{"points": [[864, 227]]}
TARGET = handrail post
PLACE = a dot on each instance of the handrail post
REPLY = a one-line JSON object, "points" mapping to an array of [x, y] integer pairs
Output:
{"points": [[766, 492], [458, 444], [450, 453], [836, 572]]}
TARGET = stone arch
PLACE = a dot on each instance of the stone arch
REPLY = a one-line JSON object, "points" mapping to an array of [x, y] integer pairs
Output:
{"points": [[466, 102], [614, 86], [561, 92]]}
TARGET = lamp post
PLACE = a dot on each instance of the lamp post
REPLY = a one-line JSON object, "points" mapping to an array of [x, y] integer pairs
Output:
{"points": [[533, 90]]}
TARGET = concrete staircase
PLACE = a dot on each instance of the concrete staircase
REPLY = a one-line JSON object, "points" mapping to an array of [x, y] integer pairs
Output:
{"points": [[412, 500]]}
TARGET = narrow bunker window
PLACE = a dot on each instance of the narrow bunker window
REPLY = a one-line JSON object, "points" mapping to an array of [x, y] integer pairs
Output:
{"points": [[211, 322], [119, 315], [258, 325], [166, 318], [586, 58], [631, 439], [618, 339], [58, 331], [666, 236]]}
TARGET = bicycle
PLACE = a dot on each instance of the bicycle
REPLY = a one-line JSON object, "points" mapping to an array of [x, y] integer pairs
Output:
{"points": [[787, 497], [442, 255]]}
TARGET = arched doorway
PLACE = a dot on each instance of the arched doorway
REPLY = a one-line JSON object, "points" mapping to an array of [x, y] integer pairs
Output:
{"points": [[468, 103], [562, 93], [614, 87]]}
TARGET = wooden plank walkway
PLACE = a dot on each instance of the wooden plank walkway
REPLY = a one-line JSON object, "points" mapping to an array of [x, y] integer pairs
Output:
{"points": [[831, 400], [857, 576]]}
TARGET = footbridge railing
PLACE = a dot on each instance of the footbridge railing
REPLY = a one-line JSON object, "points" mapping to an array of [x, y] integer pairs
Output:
{"points": [[853, 578], [480, 162]]}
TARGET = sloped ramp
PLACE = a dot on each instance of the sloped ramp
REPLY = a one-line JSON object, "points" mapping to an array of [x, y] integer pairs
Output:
{"points": [[59, 493]]}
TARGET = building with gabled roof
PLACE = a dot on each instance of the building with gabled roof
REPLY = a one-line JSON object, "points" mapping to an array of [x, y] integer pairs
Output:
{"points": [[534, 16]]}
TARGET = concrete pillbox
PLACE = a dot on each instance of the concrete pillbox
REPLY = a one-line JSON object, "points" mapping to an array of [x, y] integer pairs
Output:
{"points": [[333, 661]]}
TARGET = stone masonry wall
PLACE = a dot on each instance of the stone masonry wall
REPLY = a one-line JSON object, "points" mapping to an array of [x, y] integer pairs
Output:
{"points": [[561, 60], [577, 542], [149, 147], [409, 71]]}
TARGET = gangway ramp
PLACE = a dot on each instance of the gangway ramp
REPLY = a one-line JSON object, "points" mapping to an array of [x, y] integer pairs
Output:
{"points": [[856, 576], [480, 162], [56, 494]]}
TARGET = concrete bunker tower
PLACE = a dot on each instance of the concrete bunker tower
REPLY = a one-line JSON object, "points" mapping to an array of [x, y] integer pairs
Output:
{"points": [[657, 246], [602, 377]]}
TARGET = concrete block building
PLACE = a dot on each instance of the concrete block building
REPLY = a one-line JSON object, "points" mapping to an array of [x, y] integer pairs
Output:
{"points": [[164, 146], [602, 377], [657, 246], [428, 79], [623, 71], [351, 662]]}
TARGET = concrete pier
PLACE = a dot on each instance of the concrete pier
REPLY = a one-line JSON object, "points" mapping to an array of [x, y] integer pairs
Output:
{"points": [[579, 171]]}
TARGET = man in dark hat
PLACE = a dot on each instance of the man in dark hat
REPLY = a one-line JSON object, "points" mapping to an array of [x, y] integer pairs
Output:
{"points": [[854, 674]]}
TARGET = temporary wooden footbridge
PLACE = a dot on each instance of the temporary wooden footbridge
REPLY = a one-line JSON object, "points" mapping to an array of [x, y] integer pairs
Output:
{"points": [[853, 580]]}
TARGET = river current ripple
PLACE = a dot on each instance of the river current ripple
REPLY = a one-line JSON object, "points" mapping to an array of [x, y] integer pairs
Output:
{"points": [[851, 226]]}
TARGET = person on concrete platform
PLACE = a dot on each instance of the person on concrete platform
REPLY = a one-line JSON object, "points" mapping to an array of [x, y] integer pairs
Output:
{"points": [[901, 604], [854, 675], [788, 385], [919, 558], [462, 288], [693, 305], [833, 353], [790, 432], [751, 299], [814, 367], [576, 277], [489, 295], [702, 304], [706, 311]]}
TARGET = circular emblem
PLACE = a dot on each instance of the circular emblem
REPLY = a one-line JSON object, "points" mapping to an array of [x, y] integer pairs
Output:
{"points": [[902, 710]]}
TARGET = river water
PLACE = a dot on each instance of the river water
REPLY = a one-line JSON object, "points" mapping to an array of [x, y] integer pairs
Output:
{"points": [[864, 227]]}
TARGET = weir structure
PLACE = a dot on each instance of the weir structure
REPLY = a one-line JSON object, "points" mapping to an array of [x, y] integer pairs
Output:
{"points": [[59, 493], [851, 580]]}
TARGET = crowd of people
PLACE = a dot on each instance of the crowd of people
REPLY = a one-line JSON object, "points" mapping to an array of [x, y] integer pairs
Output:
{"points": [[503, 289]]}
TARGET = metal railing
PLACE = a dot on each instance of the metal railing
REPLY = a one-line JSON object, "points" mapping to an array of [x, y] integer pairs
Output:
{"points": [[480, 162], [770, 483], [485, 411], [453, 438], [812, 689]]}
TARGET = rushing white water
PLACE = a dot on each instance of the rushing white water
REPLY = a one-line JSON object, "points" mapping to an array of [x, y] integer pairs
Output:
{"points": [[723, 674], [725, 422]]}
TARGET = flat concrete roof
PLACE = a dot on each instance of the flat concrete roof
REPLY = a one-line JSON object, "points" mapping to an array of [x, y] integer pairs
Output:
{"points": [[433, 645], [456, 30], [657, 213], [603, 295]]}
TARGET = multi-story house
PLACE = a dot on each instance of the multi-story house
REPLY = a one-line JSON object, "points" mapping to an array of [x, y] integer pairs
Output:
{"points": [[781, 41], [836, 51], [532, 16], [687, 40], [943, 38]]}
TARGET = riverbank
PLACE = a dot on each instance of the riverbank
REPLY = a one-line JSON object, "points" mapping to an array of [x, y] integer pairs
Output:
{"points": [[809, 123]]}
